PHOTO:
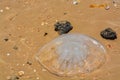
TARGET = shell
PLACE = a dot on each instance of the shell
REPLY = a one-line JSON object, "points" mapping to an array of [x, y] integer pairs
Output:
{"points": [[72, 54]]}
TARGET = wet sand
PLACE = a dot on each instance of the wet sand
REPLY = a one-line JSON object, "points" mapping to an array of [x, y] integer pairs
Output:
{"points": [[23, 24]]}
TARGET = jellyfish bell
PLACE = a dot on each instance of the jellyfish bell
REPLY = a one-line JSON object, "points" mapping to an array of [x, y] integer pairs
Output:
{"points": [[72, 54]]}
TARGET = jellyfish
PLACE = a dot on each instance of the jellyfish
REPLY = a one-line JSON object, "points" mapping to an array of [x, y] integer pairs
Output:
{"points": [[72, 54]]}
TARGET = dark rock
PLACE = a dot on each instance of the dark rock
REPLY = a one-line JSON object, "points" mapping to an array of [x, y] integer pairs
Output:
{"points": [[45, 34], [63, 27], [6, 39], [29, 63], [108, 33]]}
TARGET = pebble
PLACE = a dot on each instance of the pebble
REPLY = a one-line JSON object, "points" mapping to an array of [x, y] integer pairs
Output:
{"points": [[115, 5], [29, 63], [34, 70], [1, 10], [21, 73], [8, 54], [63, 27], [109, 46], [7, 8], [23, 64], [107, 7], [42, 24], [45, 34], [6, 39], [75, 2], [15, 48], [108, 33], [37, 78]]}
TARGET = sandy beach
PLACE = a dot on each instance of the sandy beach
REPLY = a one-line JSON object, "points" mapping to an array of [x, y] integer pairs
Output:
{"points": [[23, 24]]}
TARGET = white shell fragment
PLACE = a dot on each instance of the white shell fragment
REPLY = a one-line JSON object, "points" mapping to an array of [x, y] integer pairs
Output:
{"points": [[71, 54]]}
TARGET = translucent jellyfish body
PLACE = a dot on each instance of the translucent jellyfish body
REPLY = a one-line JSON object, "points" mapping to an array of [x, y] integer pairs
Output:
{"points": [[72, 54]]}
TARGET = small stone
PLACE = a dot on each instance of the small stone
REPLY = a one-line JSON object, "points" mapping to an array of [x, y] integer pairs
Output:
{"points": [[15, 48], [108, 33], [1, 10], [34, 70], [75, 2], [6, 39], [37, 78], [29, 63], [109, 46], [63, 27], [8, 54], [56, 20], [107, 7], [45, 34], [12, 77], [42, 24], [7, 8], [115, 5], [21, 73], [23, 64]]}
